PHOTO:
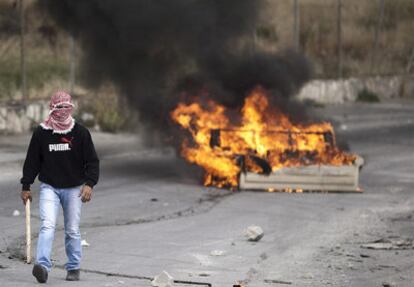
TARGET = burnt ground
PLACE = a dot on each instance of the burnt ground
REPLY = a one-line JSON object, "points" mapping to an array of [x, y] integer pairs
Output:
{"points": [[149, 214]]}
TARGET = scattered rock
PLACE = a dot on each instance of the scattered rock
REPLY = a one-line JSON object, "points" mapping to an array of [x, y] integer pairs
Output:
{"points": [[389, 284], [154, 199], [263, 256], [277, 281], [204, 275], [364, 255], [378, 245], [163, 280], [351, 266], [84, 243], [308, 276], [254, 233], [356, 260], [390, 244], [217, 253], [16, 212]]}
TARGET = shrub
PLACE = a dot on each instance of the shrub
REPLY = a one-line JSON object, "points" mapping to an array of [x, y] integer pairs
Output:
{"points": [[109, 112], [394, 12], [38, 73], [267, 33], [367, 96]]}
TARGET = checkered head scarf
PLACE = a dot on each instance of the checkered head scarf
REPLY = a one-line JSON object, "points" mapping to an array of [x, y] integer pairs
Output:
{"points": [[60, 118]]}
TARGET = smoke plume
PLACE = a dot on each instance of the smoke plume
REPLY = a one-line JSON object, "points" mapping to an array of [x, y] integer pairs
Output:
{"points": [[156, 51]]}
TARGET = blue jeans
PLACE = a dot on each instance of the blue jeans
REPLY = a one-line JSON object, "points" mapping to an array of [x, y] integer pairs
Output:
{"points": [[50, 199]]}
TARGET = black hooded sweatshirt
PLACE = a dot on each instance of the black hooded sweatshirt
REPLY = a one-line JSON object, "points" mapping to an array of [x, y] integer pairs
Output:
{"points": [[61, 160]]}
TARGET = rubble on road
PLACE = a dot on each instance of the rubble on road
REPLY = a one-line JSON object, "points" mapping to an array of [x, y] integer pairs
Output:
{"points": [[163, 280], [307, 276], [387, 284], [390, 244], [263, 256], [277, 281], [217, 253], [254, 233], [16, 212], [84, 243]]}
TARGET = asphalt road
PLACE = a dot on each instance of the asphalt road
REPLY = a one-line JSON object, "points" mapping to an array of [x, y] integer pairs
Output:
{"points": [[149, 213]]}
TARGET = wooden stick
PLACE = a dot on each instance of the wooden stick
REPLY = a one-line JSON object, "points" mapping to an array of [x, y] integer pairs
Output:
{"points": [[28, 233]]}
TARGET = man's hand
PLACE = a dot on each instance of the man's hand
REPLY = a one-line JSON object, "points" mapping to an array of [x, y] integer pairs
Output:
{"points": [[26, 195], [86, 193]]}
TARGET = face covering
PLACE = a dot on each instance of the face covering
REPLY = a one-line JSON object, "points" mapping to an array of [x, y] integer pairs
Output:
{"points": [[60, 118]]}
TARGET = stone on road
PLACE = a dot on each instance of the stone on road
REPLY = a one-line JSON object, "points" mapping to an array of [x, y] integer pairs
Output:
{"points": [[163, 280], [254, 233]]}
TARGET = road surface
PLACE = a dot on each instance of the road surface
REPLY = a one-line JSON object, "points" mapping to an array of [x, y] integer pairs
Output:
{"points": [[149, 213]]}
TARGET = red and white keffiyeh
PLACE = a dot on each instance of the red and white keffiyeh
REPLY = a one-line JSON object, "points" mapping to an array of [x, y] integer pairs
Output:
{"points": [[60, 118]]}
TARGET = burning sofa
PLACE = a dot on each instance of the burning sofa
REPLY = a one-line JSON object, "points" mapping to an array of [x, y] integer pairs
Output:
{"points": [[265, 150]]}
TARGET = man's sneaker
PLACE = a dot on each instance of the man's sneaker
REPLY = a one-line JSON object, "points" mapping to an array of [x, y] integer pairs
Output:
{"points": [[40, 273], [73, 275]]}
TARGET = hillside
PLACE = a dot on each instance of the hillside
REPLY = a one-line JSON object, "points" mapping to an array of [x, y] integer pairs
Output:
{"points": [[48, 48]]}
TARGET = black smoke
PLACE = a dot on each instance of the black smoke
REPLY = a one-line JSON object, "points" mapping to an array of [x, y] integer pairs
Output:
{"points": [[156, 51]]}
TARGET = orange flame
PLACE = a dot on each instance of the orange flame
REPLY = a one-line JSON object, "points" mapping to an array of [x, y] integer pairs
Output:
{"points": [[264, 134]]}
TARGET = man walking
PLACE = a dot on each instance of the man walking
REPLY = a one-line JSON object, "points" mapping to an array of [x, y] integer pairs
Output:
{"points": [[62, 153]]}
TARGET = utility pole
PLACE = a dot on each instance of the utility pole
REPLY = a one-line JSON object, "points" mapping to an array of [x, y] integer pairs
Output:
{"points": [[296, 25], [22, 52], [378, 29], [339, 38], [72, 64], [254, 43], [406, 75]]}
